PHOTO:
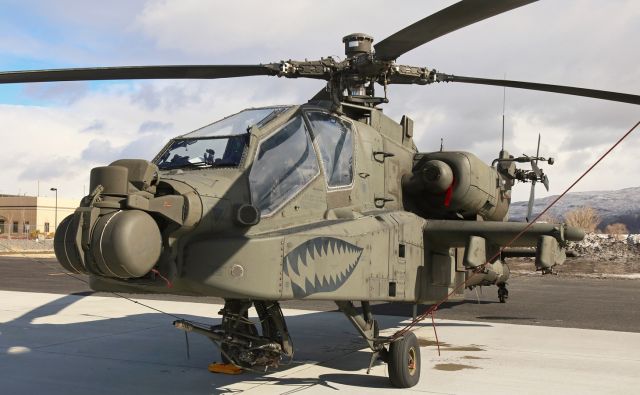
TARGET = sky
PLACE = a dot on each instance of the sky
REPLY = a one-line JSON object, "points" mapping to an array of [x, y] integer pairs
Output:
{"points": [[52, 134]]}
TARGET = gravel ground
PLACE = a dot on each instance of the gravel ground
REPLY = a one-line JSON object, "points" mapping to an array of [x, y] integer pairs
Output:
{"points": [[598, 255], [7, 245], [582, 265]]}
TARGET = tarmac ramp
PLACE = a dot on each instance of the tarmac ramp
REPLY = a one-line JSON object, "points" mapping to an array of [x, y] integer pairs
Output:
{"points": [[75, 344]]}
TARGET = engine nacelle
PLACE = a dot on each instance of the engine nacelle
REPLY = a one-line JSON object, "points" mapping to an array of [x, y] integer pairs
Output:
{"points": [[456, 184]]}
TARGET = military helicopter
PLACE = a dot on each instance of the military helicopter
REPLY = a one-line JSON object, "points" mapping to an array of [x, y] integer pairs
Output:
{"points": [[327, 200]]}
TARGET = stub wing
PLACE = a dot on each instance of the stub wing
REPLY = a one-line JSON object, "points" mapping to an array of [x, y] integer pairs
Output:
{"points": [[456, 233], [482, 240]]}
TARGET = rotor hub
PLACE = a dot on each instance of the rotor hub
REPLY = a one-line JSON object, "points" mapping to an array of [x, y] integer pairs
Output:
{"points": [[357, 44]]}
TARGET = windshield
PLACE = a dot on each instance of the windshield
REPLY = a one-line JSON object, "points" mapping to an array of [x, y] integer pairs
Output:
{"points": [[238, 123], [285, 163], [203, 152], [333, 136]]}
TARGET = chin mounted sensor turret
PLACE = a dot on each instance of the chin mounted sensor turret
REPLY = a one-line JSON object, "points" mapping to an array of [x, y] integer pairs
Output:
{"points": [[121, 228]]}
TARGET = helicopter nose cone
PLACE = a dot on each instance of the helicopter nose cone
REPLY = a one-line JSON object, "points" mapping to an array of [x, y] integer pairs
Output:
{"points": [[126, 244]]}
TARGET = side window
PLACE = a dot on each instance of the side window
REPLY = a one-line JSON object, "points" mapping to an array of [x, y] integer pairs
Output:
{"points": [[334, 138], [284, 164]]}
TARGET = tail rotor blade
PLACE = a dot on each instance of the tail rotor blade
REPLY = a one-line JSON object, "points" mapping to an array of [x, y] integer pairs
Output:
{"points": [[545, 182], [532, 196]]}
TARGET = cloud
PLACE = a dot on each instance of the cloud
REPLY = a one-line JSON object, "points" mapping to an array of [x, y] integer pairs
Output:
{"points": [[102, 152], [95, 126], [168, 96], [49, 169], [76, 126], [99, 151], [62, 93], [152, 126]]}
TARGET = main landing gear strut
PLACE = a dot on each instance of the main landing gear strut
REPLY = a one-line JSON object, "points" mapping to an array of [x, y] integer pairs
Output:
{"points": [[402, 355], [238, 338]]}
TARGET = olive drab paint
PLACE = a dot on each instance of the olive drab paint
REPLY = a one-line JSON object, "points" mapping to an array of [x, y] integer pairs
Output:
{"points": [[328, 200], [386, 234]]}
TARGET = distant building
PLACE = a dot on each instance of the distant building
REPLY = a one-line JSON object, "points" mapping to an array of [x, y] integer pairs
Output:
{"points": [[20, 216]]}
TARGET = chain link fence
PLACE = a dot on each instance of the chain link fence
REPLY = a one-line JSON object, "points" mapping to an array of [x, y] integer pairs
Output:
{"points": [[17, 230], [19, 245], [17, 236]]}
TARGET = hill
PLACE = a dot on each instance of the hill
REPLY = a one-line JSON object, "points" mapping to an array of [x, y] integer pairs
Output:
{"points": [[613, 206]]}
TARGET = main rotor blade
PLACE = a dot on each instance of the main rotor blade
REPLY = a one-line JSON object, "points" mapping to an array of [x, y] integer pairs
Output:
{"points": [[459, 15], [567, 90], [137, 73]]}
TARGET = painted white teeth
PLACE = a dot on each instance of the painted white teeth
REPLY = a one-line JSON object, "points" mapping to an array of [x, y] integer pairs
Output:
{"points": [[322, 264]]}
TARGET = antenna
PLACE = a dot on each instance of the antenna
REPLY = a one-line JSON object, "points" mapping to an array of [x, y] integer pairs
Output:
{"points": [[504, 101]]}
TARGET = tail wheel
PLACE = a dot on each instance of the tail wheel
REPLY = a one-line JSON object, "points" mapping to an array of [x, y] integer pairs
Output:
{"points": [[404, 361], [503, 293]]}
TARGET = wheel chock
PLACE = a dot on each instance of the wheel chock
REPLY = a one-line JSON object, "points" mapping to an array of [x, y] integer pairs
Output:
{"points": [[225, 368]]}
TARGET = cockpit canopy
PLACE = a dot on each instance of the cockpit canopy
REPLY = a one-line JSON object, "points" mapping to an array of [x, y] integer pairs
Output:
{"points": [[219, 144], [286, 159]]}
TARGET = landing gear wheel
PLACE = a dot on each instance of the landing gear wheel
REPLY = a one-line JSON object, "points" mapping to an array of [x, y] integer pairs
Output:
{"points": [[404, 361], [503, 293]]}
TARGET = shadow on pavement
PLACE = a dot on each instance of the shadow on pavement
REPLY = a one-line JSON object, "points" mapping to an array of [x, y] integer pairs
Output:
{"points": [[120, 354]]}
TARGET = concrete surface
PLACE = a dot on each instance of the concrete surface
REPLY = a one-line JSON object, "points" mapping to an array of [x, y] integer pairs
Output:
{"points": [[74, 344]]}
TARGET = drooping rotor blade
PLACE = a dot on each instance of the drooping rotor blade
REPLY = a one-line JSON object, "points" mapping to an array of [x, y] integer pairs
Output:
{"points": [[567, 90], [138, 72], [532, 197], [457, 16]]}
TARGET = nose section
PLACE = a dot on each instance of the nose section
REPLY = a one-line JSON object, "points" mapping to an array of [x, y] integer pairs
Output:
{"points": [[119, 229]]}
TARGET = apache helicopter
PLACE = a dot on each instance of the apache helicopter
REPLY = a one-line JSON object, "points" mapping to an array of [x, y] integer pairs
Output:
{"points": [[327, 200]]}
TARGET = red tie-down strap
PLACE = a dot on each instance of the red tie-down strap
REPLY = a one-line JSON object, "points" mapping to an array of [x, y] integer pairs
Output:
{"points": [[448, 193]]}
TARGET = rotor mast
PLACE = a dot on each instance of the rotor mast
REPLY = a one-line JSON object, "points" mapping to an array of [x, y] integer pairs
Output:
{"points": [[358, 87]]}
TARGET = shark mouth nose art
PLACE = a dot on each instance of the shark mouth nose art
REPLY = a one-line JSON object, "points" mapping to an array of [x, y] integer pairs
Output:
{"points": [[322, 264]]}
